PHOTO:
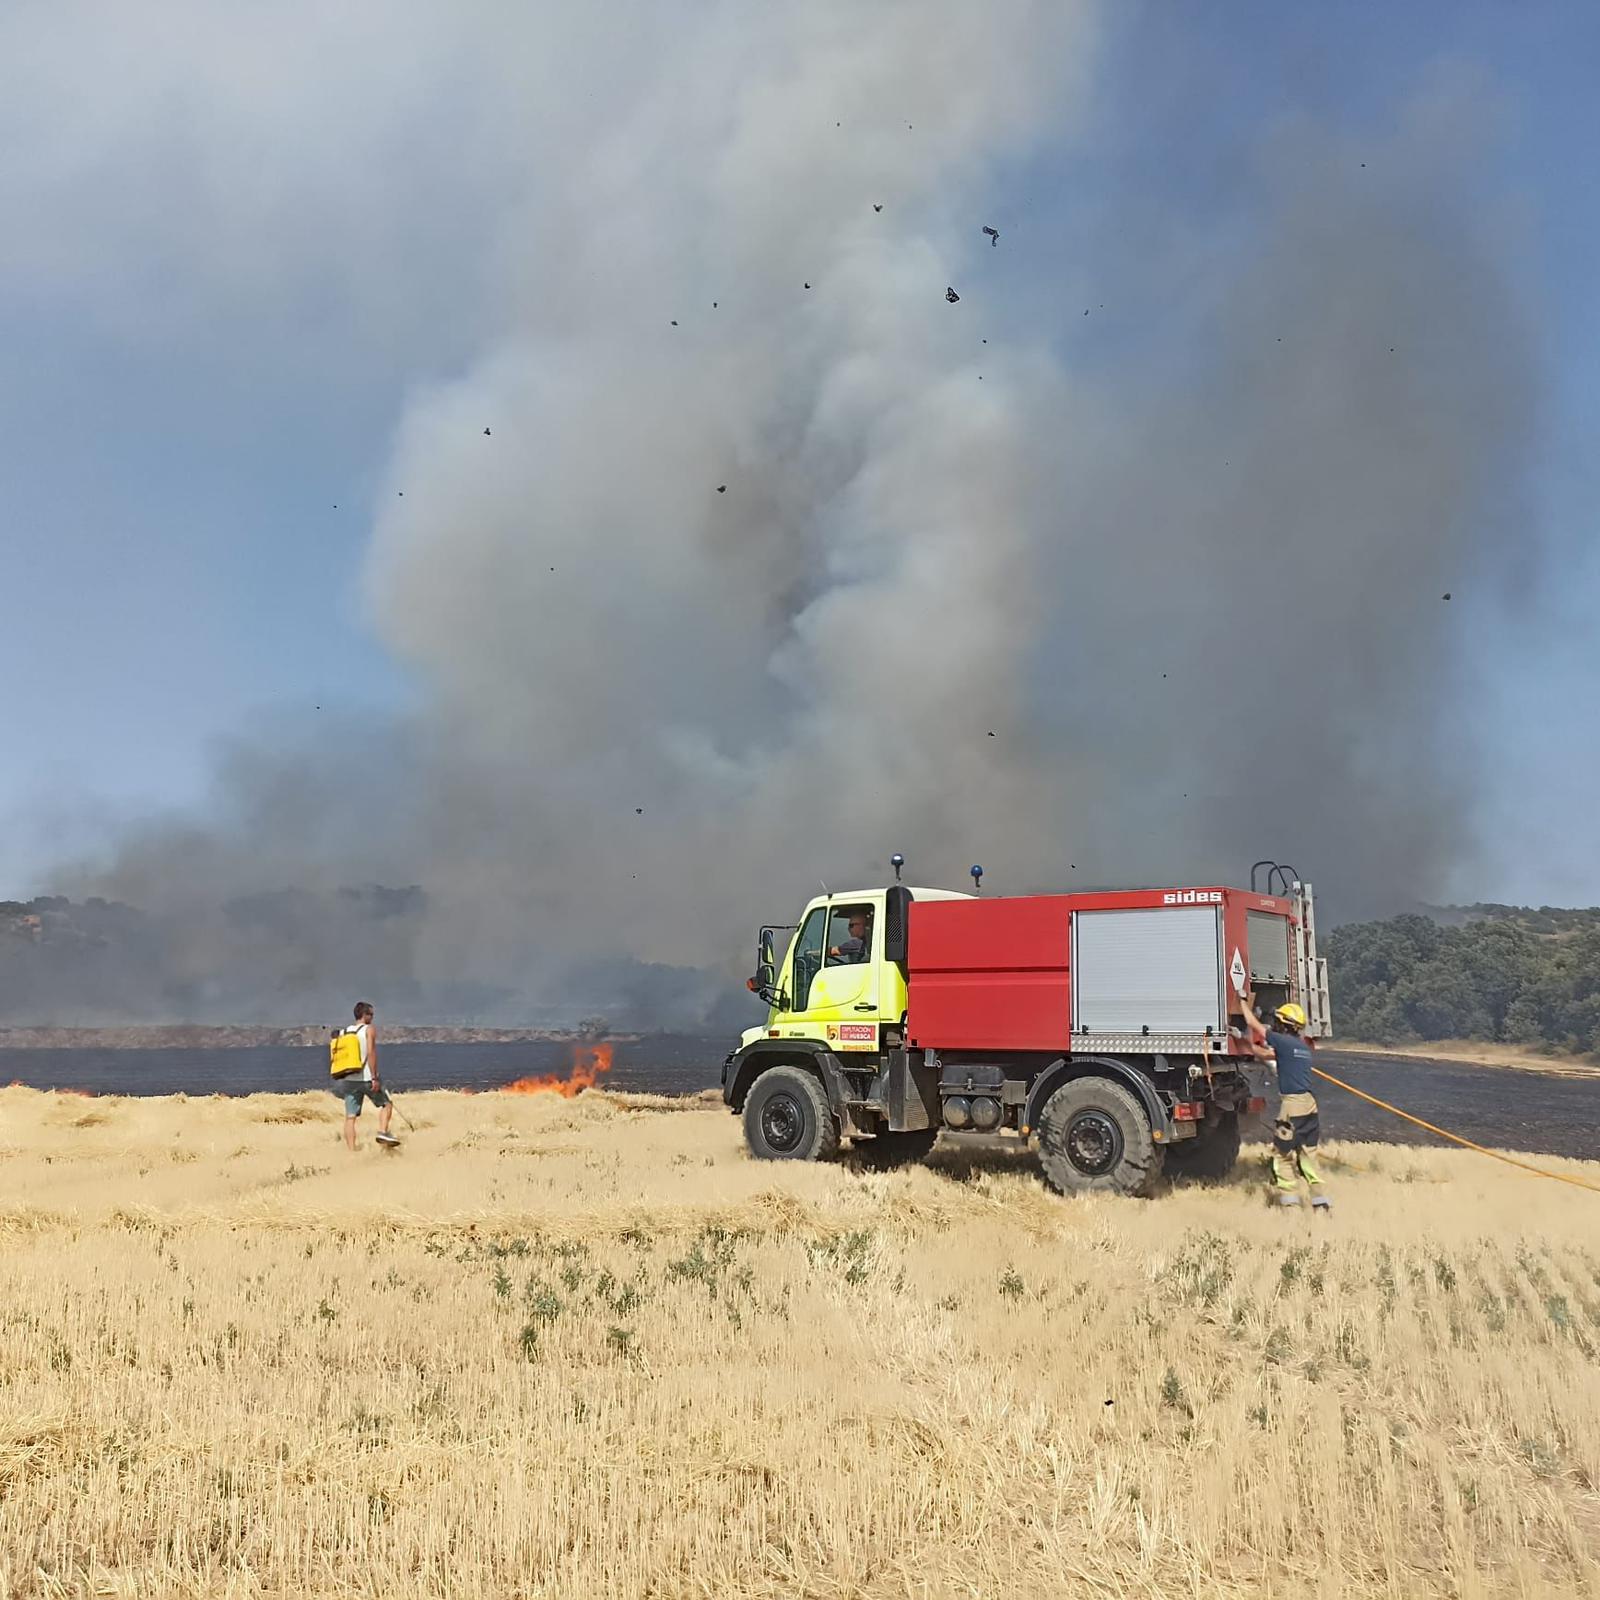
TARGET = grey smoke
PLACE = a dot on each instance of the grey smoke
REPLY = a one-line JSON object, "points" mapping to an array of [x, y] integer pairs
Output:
{"points": [[1354, 435], [1200, 617]]}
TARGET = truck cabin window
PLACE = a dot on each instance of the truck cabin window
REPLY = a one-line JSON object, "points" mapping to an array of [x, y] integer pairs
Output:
{"points": [[808, 949], [849, 935]]}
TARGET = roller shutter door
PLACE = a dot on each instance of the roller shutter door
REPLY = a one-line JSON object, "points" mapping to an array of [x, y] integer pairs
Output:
{"points": [[1160, 970], [1269, 946]]}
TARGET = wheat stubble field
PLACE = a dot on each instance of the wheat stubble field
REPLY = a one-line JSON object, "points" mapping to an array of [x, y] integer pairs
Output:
{"points": [[589, 1348]]}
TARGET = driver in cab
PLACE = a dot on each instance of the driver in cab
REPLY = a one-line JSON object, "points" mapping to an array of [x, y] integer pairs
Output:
{"points": [[856, 947]]}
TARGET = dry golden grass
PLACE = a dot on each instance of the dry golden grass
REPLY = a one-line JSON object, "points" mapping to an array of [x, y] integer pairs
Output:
{"points": [[590, 1348]]}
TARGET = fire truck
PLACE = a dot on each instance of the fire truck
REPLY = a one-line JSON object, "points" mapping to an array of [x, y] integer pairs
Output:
{"points": [[1104, 1026]]}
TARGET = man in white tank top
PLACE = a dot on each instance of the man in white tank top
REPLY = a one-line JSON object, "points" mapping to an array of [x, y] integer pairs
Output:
{"points": [[366, 1085]]}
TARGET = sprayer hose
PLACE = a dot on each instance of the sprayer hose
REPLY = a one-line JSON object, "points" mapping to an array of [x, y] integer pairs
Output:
{"points": [[1455, 1138]]}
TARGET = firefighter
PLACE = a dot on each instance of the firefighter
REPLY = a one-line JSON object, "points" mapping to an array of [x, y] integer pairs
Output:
{"points": [[1296, 1132]]}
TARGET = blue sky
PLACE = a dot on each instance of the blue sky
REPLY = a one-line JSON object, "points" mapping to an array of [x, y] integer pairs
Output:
{"points": [[174, 438]]}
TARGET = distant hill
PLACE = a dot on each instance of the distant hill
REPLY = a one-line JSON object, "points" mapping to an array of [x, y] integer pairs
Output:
{"points": [[296, 959], [1515, 974], [258, 959]]}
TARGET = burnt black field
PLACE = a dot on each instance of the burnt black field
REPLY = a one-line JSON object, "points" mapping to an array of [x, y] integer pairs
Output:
{"points": [[661, 1064], [1492, 1105]]}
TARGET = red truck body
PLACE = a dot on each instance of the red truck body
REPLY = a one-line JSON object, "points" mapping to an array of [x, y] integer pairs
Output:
{"points": [[1044, 972]]}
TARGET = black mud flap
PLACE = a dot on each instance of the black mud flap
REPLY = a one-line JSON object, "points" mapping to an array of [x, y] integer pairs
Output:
{"points": [[912, 1100]]}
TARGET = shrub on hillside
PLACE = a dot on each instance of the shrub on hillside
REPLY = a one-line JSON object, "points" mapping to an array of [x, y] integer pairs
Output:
{"points": [[1530, 978]]}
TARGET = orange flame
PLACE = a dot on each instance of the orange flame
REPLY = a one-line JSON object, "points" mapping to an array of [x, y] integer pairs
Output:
{"points": [[589, 1061]]}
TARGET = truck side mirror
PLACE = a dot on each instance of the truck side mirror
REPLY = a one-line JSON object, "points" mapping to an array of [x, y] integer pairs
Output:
{"points": [[764, 983]]}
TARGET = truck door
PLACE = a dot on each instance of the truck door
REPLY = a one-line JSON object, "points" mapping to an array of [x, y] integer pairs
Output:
{"points": [[805, 961], [845, 991]]}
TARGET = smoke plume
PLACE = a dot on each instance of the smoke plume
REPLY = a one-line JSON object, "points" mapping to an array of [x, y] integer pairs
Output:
{"points": [[773, 560]]}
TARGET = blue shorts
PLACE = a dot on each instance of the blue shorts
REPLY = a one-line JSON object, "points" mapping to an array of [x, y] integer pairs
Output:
{"points": [[355, 1093]]}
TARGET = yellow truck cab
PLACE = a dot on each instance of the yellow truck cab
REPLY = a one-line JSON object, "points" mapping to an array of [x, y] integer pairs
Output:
{"points": [[836, 984], [820, 1066]]}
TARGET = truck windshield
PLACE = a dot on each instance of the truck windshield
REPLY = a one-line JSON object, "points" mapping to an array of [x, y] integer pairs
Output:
{"points": [[807, 957]]}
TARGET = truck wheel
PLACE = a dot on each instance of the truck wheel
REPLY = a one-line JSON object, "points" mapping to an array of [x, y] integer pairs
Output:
{"points": [[894, 1149], [786, 1117], [1094, 1137], [1211, 1154]]}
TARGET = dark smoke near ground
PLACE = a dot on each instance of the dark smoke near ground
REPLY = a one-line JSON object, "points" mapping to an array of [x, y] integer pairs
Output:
{"points": [[1196, 601]]}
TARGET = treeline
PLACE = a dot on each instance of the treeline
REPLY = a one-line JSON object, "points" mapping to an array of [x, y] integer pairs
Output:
{"points": [[1506, 973]]}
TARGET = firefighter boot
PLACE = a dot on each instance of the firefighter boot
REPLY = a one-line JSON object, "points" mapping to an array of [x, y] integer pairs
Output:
{"points": [[1319, 1194], [1285, 1190]]}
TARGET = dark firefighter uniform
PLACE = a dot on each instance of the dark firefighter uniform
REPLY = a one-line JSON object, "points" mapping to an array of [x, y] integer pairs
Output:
{"points": [[1297, 1132]]}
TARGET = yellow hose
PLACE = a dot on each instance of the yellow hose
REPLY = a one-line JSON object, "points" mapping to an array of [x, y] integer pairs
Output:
{"points": [[1455, 1138]]}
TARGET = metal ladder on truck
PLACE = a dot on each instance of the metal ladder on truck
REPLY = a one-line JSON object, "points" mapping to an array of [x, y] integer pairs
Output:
{"points": [[1311, 970]]}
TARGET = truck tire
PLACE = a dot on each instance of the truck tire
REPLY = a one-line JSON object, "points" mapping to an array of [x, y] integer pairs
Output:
{"points": [[786, 1117], [1210, 1155], [1094, 1138], [888, 1150]]}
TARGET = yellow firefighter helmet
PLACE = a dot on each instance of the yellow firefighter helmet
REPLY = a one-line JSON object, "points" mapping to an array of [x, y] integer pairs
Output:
{"points": [[1292, 1012]]}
